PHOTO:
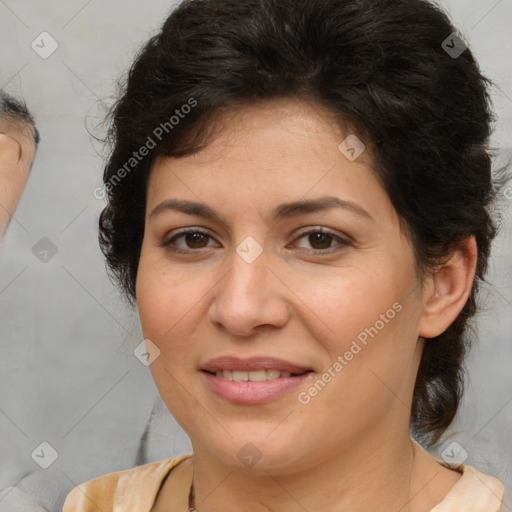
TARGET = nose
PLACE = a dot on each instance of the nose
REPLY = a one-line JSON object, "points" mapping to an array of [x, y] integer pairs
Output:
{"points": [[251, 297]]}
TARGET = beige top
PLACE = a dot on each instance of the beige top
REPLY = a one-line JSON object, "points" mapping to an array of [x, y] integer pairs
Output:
{"points": [[135, 490]]}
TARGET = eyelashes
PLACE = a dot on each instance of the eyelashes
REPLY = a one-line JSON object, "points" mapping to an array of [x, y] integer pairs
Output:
{"points": [[194, 236]]}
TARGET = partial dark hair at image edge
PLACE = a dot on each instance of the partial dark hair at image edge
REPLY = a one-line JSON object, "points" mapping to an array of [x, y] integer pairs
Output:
{"points": [[16, 111], [379, 66]]}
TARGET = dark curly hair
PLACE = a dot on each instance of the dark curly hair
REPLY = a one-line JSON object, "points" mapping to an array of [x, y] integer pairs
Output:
{"points": [[383, 66]]}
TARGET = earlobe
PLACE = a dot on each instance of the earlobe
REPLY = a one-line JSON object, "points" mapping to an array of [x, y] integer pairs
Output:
{"points": [[448, 289]]}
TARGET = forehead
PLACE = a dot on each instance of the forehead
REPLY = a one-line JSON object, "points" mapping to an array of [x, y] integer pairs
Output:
{"points": [[266, 142], [21, 131], [268, 154]]}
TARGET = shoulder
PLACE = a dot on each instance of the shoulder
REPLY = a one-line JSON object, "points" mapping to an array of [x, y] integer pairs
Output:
{"points": [[474, 492], [136, 487]]}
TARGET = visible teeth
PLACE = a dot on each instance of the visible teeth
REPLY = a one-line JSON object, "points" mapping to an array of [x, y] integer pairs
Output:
{"points": [[254, 376], [240, 376]]}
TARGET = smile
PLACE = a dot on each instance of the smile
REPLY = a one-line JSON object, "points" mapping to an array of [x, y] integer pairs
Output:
{"points": [[254, 387], [253, 376]]}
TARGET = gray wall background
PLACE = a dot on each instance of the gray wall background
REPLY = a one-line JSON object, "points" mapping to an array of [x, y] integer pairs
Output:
{"points": [[68, 375]]}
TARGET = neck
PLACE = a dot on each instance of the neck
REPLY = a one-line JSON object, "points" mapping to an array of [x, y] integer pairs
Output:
{"points": [[375, 477]]}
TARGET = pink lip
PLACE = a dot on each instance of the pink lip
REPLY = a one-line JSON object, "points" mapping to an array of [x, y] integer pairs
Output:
{"points": [[252, 393], [251, 364]]}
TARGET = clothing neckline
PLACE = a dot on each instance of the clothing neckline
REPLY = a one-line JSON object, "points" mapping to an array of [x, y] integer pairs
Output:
{"points": [[489, 499]]}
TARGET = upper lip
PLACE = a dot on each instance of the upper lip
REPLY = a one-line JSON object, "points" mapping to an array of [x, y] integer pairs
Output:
{"points": [[251, 364]]}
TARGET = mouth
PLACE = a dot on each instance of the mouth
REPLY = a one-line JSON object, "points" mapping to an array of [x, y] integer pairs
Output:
{"points": [[255, 367], [255, 375], [253, 392], [254, 380]]}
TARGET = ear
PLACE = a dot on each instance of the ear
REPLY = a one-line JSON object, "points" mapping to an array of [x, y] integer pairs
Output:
{"points": [[447, 290]]}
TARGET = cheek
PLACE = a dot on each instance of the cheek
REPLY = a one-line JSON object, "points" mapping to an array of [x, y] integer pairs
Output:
{"points": [[165, 298], [172, 304], [166, 305], [342, 304], [367, 323]]}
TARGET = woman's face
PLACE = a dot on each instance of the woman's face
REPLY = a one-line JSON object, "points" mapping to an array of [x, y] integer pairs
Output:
{"points": [[345, 305]]}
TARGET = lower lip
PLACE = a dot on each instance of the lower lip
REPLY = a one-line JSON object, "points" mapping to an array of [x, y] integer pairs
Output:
{"points": [[253, 393]]}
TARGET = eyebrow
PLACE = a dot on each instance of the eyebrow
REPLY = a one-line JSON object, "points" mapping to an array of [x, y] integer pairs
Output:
{"points": [[283, 211]]}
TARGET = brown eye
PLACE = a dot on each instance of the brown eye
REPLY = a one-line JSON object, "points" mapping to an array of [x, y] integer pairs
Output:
{"points": [[321, 240], [193, 239]]}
